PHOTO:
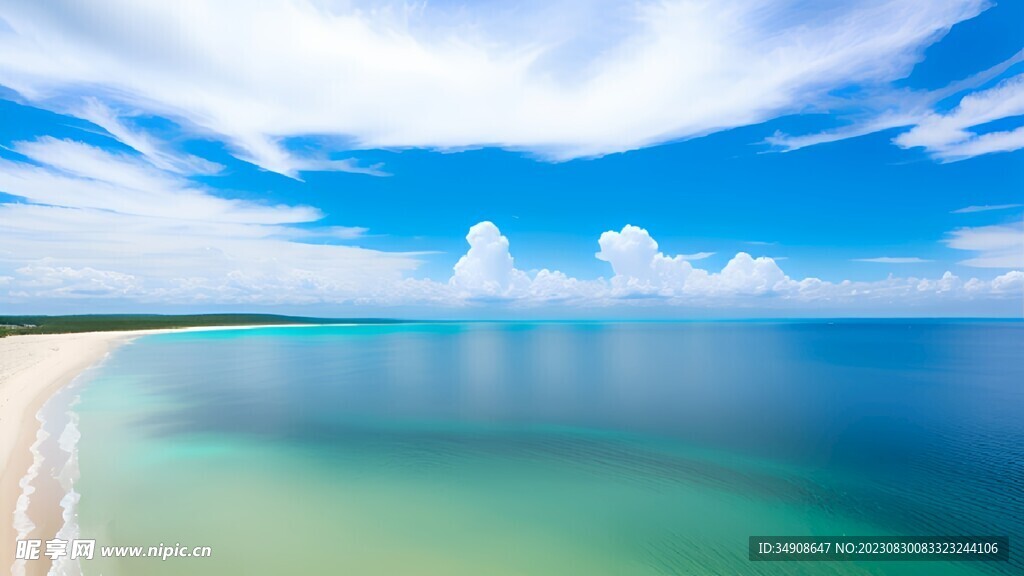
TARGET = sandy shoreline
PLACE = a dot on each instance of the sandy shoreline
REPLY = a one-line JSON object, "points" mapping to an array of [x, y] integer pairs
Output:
{"points": [[32, 369]]}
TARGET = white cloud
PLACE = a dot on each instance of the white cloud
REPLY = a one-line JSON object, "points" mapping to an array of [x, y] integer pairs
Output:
{"points": [[94, 224], [893, 260], [81, 176], [999, 246], [644, 275], [562, 80], [326, 233], [978, 145], [161, 156], [188, 261], [641, 269], [949, 137], [1012, 281], [638, 265], [350, 165], [148, 259], [696, 256], [487, 269], [100, 224], [155, 151], [745, 274], [985, 208], [67, 282], [883, 121]]}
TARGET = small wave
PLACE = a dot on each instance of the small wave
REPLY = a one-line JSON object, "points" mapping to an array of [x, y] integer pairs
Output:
{"points": [[23, 524], [69, 443], [68, 477], [64, 565]]}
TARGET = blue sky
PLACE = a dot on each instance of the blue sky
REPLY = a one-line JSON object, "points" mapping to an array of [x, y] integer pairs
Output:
{"points": [[331, 158]]}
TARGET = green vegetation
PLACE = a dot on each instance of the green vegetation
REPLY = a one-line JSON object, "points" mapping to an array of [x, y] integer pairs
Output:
{"points": [[10, 325]]}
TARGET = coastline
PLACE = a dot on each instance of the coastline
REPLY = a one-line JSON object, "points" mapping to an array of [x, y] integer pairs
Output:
{"points": [[34, 367]]}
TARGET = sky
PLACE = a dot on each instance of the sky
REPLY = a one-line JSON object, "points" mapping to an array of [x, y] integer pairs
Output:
{"points": [[557, 159]]}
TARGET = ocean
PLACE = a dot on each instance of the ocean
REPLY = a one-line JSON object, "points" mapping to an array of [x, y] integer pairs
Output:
{"points": [[548, 448]]}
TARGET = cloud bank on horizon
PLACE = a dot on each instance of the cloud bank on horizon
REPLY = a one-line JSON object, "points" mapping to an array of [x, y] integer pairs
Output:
{"points": [[642, 272], [560, 80], [145, 221], [132, 231]]}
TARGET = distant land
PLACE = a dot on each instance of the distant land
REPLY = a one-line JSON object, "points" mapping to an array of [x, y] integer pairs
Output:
{"points": [[11, 325]]}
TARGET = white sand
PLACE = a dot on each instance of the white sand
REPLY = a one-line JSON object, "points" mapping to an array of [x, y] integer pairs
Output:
{"points": [[32, 369]]}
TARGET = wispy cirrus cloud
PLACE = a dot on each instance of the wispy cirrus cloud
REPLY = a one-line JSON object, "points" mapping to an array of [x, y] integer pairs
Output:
{"points": [[92, 223], [985, 208], [697, 256], [72, 174], [158, 153], [539, 78], [996, 246], [951, 136], [947, 136], [893, 260]]}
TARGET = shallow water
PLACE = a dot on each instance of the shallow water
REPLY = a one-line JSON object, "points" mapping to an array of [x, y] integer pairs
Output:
{"points": [[550, 448]]}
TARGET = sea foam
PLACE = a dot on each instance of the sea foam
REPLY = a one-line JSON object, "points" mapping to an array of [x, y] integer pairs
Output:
{"points": [[23, 524], [68, 477]]}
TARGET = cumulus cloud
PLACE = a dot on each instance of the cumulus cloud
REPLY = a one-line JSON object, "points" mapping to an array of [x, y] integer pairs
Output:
{"points": [[641, 268], [559, 79], [637, 263], [641, 273], [488, 268], [1012, 281], [745, 274]]}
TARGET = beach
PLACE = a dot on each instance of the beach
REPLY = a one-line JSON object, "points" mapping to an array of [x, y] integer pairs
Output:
{"points": [[33, 368]]}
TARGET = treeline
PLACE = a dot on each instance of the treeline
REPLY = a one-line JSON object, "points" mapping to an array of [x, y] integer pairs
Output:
{"points": [[10, 325]]}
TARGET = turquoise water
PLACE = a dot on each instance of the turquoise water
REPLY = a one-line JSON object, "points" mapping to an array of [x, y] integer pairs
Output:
{"points": [[647, 448]]}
